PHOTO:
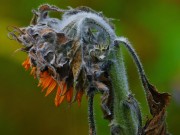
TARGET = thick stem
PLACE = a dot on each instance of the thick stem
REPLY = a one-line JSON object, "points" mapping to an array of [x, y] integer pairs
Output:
{"points": [[127, 116], [92, 127]]}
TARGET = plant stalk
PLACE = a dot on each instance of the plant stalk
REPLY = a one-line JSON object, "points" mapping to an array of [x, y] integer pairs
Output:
{"points": [[127, 115], [92, 127]]}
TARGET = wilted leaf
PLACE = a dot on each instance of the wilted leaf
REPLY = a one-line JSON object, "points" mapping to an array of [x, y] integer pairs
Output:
{"points": [[156, 125], [157, 105]]}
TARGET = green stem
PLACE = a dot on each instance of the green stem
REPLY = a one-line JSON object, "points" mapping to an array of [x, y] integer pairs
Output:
{"points": [[127, 116]]}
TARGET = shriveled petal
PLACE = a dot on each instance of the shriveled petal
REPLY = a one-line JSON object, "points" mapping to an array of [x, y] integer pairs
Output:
{"points": [[61, 99], [57, 96], [44, 76], [61, 93], [79, 97], [51, 87], [33, 71], [26, 64], [47, 83], [64, 89], [69, 95]]}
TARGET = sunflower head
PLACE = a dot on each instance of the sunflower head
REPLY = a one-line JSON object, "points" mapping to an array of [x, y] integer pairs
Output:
{"points": [[66, 55]]}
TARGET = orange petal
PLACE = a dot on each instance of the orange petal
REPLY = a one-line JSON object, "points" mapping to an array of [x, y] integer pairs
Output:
{"points": [[69, 95], [41, 80], [61, 99], [51, 87], [64, 89], [44, 80], [57, 96], [47, 83], [33, 72], [62, 95], [26, 64], [44, 76], [79, 97]]}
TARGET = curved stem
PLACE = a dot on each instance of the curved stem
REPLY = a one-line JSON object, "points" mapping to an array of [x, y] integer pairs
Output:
{"points": [[137, 61]]}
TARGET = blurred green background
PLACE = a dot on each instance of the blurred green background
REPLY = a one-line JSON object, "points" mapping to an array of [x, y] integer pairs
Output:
{"points": [[153, 27]]}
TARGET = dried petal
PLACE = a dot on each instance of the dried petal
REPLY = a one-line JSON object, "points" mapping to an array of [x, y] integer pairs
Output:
{"points": [[26, 64], [33, 71], [57, 96], [69, 95], [79, 97], [47, 82], [51, 87]]}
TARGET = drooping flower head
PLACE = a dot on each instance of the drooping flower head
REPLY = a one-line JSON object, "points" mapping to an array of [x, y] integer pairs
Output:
{"points": [[68, 55]]}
